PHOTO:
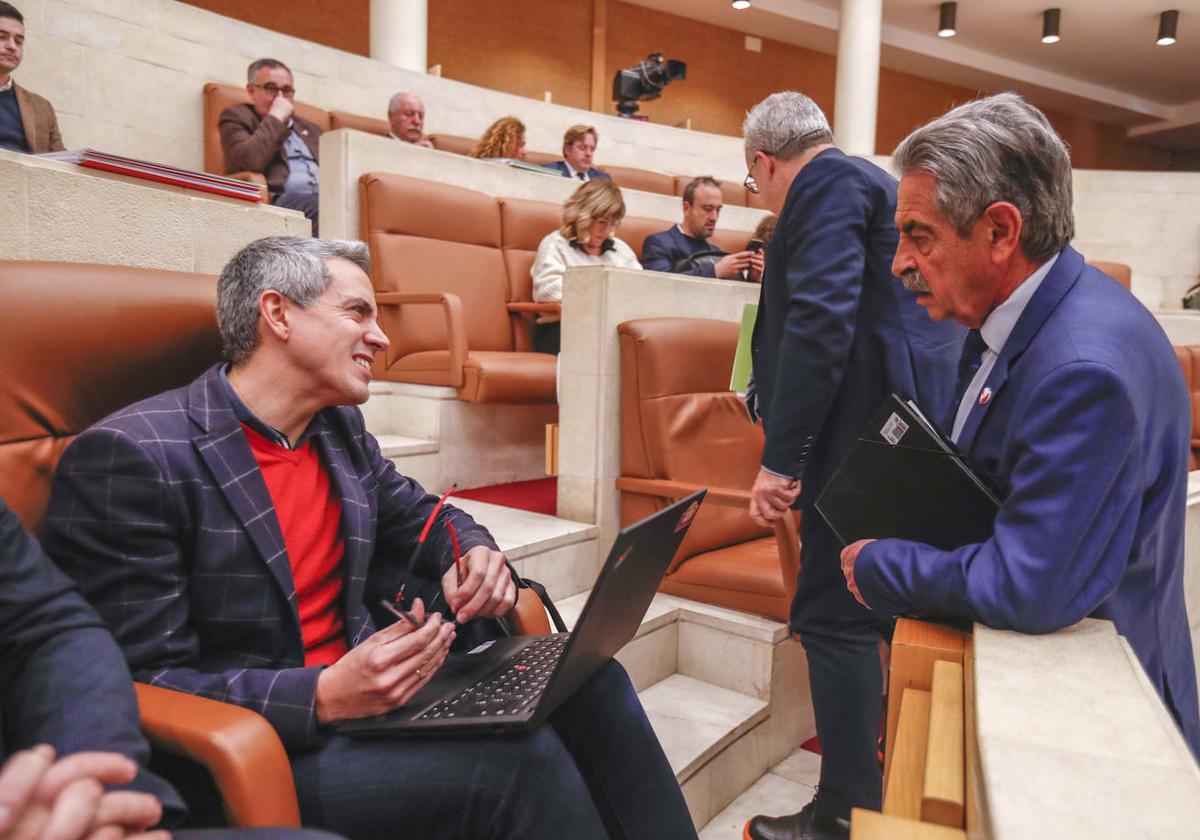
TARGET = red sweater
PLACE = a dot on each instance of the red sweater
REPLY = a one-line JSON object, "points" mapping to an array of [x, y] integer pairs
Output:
{"points": [[310, 519]]}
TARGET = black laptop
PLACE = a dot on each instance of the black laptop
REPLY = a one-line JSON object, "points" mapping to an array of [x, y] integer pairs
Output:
{"points": [[513, 683]]}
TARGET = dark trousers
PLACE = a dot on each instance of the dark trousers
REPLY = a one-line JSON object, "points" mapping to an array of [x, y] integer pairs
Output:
{"points": [[841, 640], [547, 338], [306, 203], [596, 771]]}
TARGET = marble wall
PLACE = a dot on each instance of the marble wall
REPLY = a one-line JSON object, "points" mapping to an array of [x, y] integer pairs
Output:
{"points": [[60, 211]]}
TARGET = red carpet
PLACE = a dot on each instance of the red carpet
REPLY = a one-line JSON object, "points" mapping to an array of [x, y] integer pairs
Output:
{"points": [[538, 496]]}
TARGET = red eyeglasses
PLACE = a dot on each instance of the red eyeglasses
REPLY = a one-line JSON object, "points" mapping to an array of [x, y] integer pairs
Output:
{"points": [[406, 573]]}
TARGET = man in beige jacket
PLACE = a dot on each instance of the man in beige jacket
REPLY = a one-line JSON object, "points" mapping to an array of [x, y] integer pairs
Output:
{"points": [[27, 121]]}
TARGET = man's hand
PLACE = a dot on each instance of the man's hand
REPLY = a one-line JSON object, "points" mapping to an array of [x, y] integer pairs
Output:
{"points": [[44, 799], [756, 266], [487, 587], [771, 497], [849, 556], [386, 670], [281, 109], [731, 265]]}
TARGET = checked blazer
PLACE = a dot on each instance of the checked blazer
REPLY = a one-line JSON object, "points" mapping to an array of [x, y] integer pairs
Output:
{"points": [[161, 514]]}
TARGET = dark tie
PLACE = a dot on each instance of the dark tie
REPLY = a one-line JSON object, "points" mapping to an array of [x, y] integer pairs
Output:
{"points": [[579, 175], [968, 366]]}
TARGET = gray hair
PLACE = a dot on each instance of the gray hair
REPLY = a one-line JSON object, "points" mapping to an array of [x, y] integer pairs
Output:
{"points": [[294, 266], [785, 125], [999, 148], [258, 64], [394, 102]]}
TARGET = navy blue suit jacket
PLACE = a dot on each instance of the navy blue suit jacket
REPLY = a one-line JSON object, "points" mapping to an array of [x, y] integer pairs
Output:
{"points": [[561, 166], [63, 681], [1086, 436], [162, 515], [662, 250], [836, 331]]}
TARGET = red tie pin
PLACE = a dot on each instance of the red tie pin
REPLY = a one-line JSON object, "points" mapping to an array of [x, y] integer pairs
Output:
{"points": [[985, 396]]}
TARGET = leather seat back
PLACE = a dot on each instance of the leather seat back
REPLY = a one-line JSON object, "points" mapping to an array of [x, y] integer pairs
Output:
{"points": [[427, 237], [217, 98], [1120, 272], [80, 342], [452, 143], [680, 422], [523, 225], [344, 119], [628, 178]]}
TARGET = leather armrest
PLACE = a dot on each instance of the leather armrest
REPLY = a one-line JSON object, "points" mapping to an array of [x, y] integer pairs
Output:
{"points": [[528, 616], [455, 324], [238, 746], [528, 307], [786, 535]]}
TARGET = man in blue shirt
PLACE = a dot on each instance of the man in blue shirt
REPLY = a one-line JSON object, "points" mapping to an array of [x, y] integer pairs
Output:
{"points": [[702, 205]]}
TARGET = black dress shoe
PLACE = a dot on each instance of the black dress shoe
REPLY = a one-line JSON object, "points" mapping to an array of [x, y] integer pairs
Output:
{"points": [[812, 823]]}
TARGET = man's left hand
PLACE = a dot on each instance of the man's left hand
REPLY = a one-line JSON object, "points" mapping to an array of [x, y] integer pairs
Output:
{"points": [[487, 588], [771, 496], [849, 555], [756, 267]]}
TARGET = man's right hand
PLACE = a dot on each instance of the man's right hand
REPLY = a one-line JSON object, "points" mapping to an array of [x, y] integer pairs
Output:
{"points": [[386, 670], [44, 799], [281, 109], [731, 265]]}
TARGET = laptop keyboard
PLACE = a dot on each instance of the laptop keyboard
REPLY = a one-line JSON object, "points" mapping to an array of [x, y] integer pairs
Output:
{"points": [[509, 690]]}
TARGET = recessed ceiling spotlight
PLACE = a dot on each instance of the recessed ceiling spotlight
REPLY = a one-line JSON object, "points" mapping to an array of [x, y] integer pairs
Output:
{"points": [[946, 13], [740, 4], [1050, 26], [1168, 22]]}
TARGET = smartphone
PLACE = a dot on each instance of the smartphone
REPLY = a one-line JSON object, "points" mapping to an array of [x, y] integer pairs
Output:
{"points": [[754, 246], [400, 612]]}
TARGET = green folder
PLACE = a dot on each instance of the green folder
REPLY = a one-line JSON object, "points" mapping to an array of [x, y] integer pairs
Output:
{"points": [[740, 377]]}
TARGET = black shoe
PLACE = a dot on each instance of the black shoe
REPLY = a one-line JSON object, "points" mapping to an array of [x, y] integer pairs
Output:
{"points": [[812, 823]]}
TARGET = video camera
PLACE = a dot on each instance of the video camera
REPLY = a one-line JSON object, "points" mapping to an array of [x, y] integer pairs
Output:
{"points": [[645, 81]]}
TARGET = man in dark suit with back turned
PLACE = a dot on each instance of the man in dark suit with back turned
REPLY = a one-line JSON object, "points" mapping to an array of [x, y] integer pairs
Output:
{"points": [[267, 137], [836, 333], [1072, 402], [238, 535]]}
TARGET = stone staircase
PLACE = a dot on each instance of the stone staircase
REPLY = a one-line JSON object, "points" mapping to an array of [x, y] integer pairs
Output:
{"points": [[725, 691]]}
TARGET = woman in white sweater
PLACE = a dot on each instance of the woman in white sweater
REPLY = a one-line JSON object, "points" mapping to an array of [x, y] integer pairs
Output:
{"points": [[587, 237]]}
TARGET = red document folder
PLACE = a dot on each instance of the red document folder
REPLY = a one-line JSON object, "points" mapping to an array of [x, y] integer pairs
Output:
{"points": [[162, 173]]}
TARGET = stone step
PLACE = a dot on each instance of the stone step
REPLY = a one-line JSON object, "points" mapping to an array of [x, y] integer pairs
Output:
{"points": [[415, 458], [785, 789], [400, 446], [557, 553]]}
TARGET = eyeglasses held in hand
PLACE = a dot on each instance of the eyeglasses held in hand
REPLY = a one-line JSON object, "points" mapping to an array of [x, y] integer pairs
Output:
{"points": [[406, 573]]}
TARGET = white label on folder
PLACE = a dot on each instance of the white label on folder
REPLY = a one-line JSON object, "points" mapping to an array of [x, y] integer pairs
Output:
{"points": [[893, 430]]}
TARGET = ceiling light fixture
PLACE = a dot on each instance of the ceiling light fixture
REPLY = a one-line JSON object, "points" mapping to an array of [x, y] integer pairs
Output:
{"points": [[1168, 22], [740, 4], [1050, 26], [946, 13]]}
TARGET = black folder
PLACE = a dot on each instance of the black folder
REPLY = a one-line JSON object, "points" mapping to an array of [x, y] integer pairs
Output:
{"points": [[904, 479]]}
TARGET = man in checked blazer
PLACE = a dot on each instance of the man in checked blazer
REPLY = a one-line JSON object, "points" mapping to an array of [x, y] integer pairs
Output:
{"points": [[235, 532]]}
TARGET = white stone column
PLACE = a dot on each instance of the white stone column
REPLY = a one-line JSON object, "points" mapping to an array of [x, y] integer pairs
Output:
{"points": [[400, 32], [857, 97]]}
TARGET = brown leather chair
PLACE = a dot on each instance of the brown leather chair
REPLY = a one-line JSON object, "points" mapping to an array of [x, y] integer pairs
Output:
{"points": [[628, 178], [1120, 272], [439, 246], [1189, 360], [217, 98], [541, 157], [523, 226], [344, 119], [681, 428], [133, 332], [731, 193], [635, 229], [452, 143]]}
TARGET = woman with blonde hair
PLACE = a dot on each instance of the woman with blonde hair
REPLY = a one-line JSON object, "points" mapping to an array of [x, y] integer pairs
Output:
{"points": [[587, 237], [505, 138]]}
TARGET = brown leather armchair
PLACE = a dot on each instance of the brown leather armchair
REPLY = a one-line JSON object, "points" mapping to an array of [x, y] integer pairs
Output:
{"points": [[79, 342], [681, 428], [370, 125], [1120, 272], [731, 193]]}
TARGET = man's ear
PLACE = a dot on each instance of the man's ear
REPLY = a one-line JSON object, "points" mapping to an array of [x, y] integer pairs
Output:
{"points": [[275, 313], [1004, 224]]}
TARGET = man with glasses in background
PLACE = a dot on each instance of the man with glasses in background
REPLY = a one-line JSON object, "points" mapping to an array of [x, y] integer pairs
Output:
{"points": [[836, 334], [267, 137]]}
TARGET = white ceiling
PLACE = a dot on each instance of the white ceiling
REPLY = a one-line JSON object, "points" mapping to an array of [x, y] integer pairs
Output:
{"points": [[1106, 66]]}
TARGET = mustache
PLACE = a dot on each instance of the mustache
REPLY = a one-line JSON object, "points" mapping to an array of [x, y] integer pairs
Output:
{"points": [[915, 281]]}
